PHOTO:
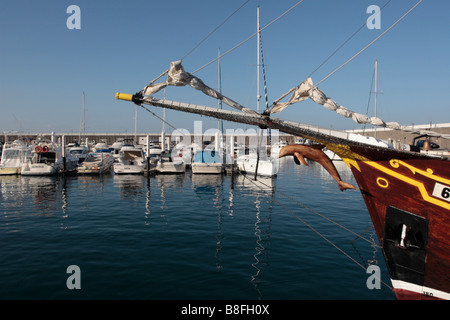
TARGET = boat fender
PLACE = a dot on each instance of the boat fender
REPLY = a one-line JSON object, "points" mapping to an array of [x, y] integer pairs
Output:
{"points": [[38, 149], [45, 149]]}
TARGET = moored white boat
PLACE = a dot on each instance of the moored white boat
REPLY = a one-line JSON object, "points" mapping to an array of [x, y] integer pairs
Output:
{"points": [[100, 146], [358, 138], [131, 161], [47, 159], [14, 155], [264, 167], [79, 152], [207, 162], [115, 148], [169, 164], [97, 162]]}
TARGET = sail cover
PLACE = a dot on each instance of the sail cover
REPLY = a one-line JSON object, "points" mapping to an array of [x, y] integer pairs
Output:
{"points": [[307, 90], [177, 76]]}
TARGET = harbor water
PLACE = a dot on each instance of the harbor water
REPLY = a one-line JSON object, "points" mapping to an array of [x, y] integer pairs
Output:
{"points": [[188, 237]]}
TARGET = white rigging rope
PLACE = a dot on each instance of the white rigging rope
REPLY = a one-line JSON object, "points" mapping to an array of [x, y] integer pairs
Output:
{"points": [[209, 34], [309, 90], [203, 40], [366, 47], [250, 37], [345, 63], [345, 42]]}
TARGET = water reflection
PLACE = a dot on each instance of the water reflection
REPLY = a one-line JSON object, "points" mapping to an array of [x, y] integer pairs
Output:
{"points": [[167, 183], [233, 215], [45, 192], [262, 231], [263, 191], [65, 198], [36, 196], [204, 187], [131, 186], [11, 193], [260, 192], [260, 185], [147, 202]]}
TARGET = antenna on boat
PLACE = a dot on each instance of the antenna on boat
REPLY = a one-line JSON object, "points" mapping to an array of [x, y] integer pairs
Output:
{"points": [[82, 120], [376, 93]]}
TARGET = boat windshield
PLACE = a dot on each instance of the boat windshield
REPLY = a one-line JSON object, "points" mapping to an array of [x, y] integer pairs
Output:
{"points": [[11, 154], [131, 154], [14, 157], [16, 154], [77, 151], [90, 158]]}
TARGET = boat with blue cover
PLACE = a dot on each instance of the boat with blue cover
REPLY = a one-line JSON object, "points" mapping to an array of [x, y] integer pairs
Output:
{"points": [[207, 162]]}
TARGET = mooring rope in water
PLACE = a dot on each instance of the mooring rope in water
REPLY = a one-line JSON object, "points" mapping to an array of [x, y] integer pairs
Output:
{"points": [[316, 231]]}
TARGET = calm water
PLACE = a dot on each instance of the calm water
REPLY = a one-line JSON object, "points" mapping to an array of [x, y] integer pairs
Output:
{"points": [[186, 237]]}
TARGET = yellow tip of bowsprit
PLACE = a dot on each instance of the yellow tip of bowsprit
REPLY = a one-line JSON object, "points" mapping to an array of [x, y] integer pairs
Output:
{"points": [[124, 96]]}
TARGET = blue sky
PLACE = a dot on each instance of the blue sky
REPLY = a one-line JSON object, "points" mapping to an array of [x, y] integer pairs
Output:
{"points": [[123, 45]]}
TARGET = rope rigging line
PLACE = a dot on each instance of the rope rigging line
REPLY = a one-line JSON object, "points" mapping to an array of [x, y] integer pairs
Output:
{"points": [[367, 46], [264, 73], [322, 236], [204, 39], [250, 37], [221, 55], [309, 90], [266, 96], [344, 43], [164, 121], [349, 60]]}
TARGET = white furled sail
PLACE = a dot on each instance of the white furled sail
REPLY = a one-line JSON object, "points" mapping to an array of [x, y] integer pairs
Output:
{"points": [[307, 90], [177, 76]]}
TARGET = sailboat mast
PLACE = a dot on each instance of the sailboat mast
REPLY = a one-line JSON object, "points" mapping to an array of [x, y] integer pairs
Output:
{"points": [[258, 97], [219, 88], [135, 125], [163, 131], [259, 131], [82, 119]]}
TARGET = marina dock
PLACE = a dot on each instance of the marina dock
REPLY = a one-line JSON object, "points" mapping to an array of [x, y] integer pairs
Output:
{"points": [[393, 136]]}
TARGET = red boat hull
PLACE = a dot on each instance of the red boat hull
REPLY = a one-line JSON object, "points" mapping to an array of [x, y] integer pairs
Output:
{"points": [[408, 199]]}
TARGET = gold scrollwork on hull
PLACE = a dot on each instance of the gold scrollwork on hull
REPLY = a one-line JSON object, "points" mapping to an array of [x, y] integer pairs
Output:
{"points": [[426, 173], [410, 180], [352, 159]]}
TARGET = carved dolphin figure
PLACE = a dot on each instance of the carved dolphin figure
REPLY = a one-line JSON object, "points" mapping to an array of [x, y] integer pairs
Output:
{"points": [[315, 153]]}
